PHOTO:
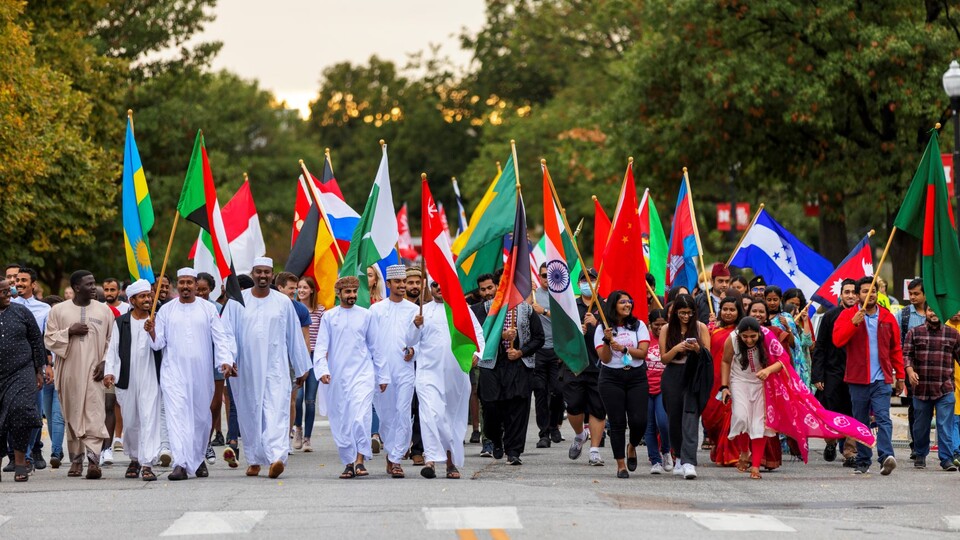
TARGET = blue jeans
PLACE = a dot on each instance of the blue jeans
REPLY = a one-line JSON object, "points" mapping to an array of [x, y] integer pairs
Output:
{"points": [[51, 409], [923, 412], [656, 421], [375, 425], [233, 425], [307, 405], [956, 432], [873, 397]]}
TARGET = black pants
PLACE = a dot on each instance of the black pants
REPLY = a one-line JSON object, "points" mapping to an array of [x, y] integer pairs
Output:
{"points": [[548, 400], [505, 423], [682, 414], [416, 448], [625, 395]]}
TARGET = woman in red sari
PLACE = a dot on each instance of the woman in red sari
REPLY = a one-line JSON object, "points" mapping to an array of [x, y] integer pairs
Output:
{"points": [[716, 415]]}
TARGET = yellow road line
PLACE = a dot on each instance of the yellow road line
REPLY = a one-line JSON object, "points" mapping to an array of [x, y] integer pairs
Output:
{"points": [[466, 534], [499, 534]]}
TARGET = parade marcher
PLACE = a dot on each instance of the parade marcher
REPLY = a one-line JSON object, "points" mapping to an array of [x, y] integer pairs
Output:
{"points": [[344, 358], [622, 348], [909, 317], [78, 332], [930, 352], [657, 437], [50, 399], [443, 389], [829, 363], [269, 343], [504, 385], [739, 285], [206, 284], [396, 336], [548, 401], [111, 295], [26, 282], [767, 396], [681, 341], [794, 299], [414, 287], [756, 287], [22, 360], [720, 282], [134, 368], [580, 392], [306, 406], [193, 338], [716, 416], [871, 339], [487, 290]]}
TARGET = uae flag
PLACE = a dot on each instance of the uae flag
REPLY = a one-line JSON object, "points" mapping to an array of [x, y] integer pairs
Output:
{"points": [[926, 215], [564, 316], [198, 203], [438, 259], [245, 239]]}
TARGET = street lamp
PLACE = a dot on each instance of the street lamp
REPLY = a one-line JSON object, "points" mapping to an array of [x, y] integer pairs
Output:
{"points": [[951, 85]]}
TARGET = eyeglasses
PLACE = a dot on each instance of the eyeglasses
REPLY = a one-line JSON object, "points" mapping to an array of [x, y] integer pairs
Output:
{"points": [[625, 301], [684, 314], [544, 276], [757, 289]]}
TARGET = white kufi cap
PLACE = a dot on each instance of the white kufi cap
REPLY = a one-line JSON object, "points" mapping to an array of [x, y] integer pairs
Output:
{"points": [[263, 261], [187, 272], [137, 287]]}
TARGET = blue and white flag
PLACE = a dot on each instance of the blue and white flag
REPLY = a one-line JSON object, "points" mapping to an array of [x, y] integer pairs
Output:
{"points": [[783, 260]]}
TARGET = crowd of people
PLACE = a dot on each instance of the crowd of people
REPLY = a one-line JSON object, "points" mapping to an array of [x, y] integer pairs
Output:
{"points": [[739, 365]]}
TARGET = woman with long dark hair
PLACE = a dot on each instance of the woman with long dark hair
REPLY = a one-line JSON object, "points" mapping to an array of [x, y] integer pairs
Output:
{"points": [[658, 448], [716, 414], [306, 405], [623, 387], [681, 341], [793, 298]]}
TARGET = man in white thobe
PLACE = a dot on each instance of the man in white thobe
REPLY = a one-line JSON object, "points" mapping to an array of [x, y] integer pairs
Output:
{"points": [[443, 389], [395, 339], [269, 342], [344, 358], [132, 366], [193, 338]]}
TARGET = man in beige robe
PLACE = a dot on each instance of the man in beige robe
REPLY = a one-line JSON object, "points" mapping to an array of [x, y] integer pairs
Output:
{"points": [[78, 332]]}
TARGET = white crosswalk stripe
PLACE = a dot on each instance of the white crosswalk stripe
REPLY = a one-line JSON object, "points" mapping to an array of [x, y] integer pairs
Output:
{"points": [[953, 522], [4, 519], [472, 517], [739, 522], [198, 523]]}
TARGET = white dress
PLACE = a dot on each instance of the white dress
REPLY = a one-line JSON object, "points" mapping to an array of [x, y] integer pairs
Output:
{"points": [[269, 342], [748, 405]]}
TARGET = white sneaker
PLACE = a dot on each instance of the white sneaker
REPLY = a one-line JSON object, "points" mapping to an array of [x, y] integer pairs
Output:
{"points": [[667, 462], [678, 469], [106, 456], [290, 448], [689, 471], [656, 469], [595, 459]]}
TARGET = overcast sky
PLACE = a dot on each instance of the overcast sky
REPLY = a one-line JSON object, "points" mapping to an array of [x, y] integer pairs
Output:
{"points": [[285, 44]]}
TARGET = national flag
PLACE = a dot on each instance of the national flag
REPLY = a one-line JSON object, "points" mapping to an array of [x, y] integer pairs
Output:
{"points": [[857, 264], [443, 218], [515, 285], [654, 241], [438, 260], [564, 315], [342, 219], [405, 243], [137, 211], [301, 207], [601, 231], [531, 249], [926, 215], [621, 268], [780, 257], [242, 224], [300, 262], [375, 235], [479, 248], [198, 203], [680, 267], [461, 213]]}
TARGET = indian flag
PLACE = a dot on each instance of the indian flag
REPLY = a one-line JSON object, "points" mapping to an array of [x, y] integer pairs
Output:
{"points": [[564, 317], [438, 259]]}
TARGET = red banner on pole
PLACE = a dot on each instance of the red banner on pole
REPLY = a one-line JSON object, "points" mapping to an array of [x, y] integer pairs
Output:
{"points": [[743, 216], [723, 216]]}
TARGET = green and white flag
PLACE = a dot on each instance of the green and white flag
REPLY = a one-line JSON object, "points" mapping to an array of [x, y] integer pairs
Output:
{"points": [[376, 234]]}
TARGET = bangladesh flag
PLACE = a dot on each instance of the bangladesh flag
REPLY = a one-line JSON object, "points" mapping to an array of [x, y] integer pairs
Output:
{"points": [[198, 203], [926, 215]]}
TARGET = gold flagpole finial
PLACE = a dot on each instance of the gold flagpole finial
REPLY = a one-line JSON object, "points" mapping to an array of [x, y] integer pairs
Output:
{"points": [[423, 176]]}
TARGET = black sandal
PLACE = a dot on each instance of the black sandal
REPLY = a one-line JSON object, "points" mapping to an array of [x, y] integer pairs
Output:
{"points": [[360, 470], [452, 472], [428, 471], [21, 473], [147, 475], [348, 472], [133, 470]]}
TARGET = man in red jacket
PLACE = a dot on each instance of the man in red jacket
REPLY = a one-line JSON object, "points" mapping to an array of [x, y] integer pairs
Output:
{"points": [[870, 336]]}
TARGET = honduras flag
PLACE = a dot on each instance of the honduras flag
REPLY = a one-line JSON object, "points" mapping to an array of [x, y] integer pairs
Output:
{"points": [[782, 259]]}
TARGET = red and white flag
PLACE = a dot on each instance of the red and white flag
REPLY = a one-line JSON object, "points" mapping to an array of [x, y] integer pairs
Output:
{"points": [[405, 244]]}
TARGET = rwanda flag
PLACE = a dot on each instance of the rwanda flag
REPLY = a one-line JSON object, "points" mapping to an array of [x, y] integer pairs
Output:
{"points": [[137, 211]]}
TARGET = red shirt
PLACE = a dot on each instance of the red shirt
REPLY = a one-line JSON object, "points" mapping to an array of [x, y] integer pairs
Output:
{"points": [[654, 366], [856, 342]]}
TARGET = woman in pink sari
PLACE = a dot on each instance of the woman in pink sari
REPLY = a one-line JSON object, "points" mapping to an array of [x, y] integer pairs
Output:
{"points": [[767, 396]]}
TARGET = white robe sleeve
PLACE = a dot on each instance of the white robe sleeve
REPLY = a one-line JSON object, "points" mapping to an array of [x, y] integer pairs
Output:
{"points": [[320, 366], [413, 333], [478, 330], [224, 344], [296, 348], [379, 362], [112, 358], [160, 330]]}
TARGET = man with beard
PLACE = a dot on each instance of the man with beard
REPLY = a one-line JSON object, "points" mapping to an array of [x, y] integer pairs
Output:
{"points": [[828, 366], [269, 342], [345, 358], [26, 281], [413, 288], [111, 295], [487, 290], [134, 368], [193, 338], [78, 332]]}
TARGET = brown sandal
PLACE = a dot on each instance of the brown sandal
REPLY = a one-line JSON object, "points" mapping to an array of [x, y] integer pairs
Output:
{"points": [[755, 473], [146, 474], [743, 464], [452, 472], [396, 471]]}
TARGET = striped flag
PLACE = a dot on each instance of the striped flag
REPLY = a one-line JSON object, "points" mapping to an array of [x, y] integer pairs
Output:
{"points": [[137, 211]]}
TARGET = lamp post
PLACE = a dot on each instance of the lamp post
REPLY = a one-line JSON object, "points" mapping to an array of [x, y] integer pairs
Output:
{"points": [[951, 85]]}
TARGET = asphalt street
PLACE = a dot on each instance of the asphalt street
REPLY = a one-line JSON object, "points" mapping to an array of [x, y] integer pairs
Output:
{"points": [[548, 496]]}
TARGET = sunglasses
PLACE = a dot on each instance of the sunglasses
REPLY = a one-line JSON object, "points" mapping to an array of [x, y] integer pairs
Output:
{"points": [[544, 276]]}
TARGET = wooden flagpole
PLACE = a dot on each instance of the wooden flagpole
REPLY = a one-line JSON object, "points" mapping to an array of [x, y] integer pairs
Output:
{"points": [[583, 265], [516, 174], [312, 189], [696, 235], [876, 271], [744, 235]]}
